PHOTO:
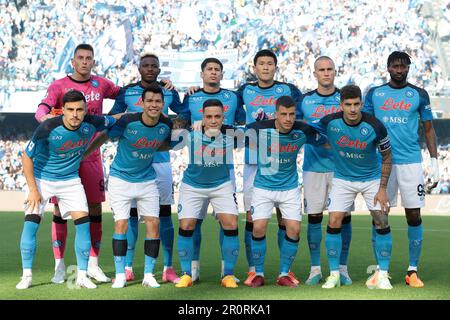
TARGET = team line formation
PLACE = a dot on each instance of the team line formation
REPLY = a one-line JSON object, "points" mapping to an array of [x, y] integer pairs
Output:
{"points": [[352, 146]]}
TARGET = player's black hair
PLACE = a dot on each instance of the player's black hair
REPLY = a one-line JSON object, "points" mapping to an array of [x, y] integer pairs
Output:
{"points": [[73, 96], [265, 53], [213, 60], [155, 88], [285, 101], [399, 55], [212, 103], [350, 91], [84, 46], [148, 55]]}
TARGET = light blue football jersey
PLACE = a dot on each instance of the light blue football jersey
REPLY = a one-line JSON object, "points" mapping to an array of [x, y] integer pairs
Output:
{"points": [[312, 107], [277, 153], [355, 146], [400, 110], [57, 151], [232, 105], [129, 99], [137, 146], [209, 158]]}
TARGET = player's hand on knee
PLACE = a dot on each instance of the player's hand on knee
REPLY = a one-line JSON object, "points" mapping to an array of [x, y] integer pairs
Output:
{"points": [[382, 198], [33, 201]]}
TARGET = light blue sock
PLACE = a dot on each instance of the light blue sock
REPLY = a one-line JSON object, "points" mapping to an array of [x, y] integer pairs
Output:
{"points": [[221, 235], [119, 251], [314, 239], [132, 236], [151, 249], [287, 254], [346, 234], [415, 237], [333, 243], [248, 243], [28, 243], [374, 236], [197, 238], [230, 252], [185, 250], [259, 253], [281, 234], [384, 249], [167, 234], [82, 242]]}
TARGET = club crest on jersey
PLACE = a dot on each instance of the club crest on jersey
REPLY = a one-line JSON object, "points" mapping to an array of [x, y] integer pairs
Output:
{"points": [[295, 135], [95, 83], [85, 130], [364, 131], [279, 90], [337, 98], [162, 130], [226, 95], [409, 93]]}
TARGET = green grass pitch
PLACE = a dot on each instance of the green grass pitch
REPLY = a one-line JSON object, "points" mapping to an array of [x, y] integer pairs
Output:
{"points": [[434, 265]]}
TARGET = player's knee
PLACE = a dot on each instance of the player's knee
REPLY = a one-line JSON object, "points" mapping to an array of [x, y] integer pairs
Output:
{"points": [[259, 231], [229, 224], [187, 224], [121, 226], [379, 219], [293, 232], [335, 221], [95, 209], [315, 218], [413, 217]]}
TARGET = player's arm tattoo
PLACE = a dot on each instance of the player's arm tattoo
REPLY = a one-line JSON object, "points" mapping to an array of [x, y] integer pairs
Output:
{"points": [[386, 167]]}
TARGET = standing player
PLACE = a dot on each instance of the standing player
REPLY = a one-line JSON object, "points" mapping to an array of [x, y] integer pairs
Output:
{"points": [[259, 99], [51, 162], [132, 178], [282, 138], [130, 100], [318, 168], [399, 105], [234, 113], [95, 89], [207, 179], [355, 137]]}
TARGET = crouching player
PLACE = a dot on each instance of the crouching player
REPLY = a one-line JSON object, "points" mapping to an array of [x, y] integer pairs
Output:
{"points": [[207, 179], [276, 183], [50, 163], [355, 137], [132, 177]]}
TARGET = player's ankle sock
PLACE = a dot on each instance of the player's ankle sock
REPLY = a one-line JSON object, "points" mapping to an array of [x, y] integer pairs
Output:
{"points": [[230, 250], [132, 235], [314, 238], [185, 249], [281, 234], [151, 250], [374, 236], [28, 240], [59, 236], [197, 238], [166, 233], [82, 242], [346, 234], [119, 245], [259, 253], [333, 244], [384, 247], [288, 252], [248, 243], [415, 237]]}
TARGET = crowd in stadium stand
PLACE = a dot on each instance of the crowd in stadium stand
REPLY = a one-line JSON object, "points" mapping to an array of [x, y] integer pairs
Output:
{"points": [[358, 35], [11, 174]]}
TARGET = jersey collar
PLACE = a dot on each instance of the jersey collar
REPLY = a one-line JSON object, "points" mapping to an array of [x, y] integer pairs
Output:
{"points": [[84, 81]]}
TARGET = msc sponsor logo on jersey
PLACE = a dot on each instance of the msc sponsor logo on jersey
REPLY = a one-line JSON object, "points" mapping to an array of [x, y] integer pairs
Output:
{"points": [[364, 131], [402, 120], [95, 83], [351, 155], [409, 93]]}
